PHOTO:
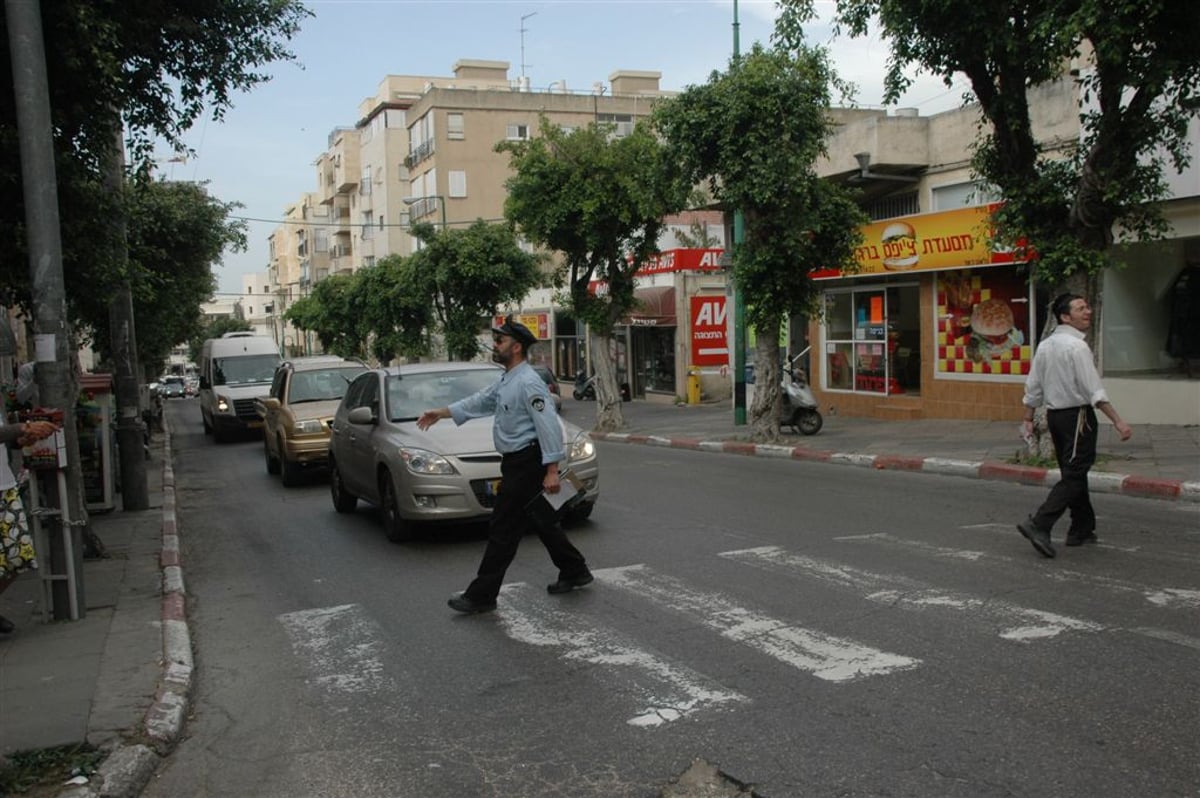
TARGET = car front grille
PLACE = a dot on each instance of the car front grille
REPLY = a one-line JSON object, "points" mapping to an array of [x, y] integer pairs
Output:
{"points": [[244, 409]]}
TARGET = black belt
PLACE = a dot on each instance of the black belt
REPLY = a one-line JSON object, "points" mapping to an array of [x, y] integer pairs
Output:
{"points": [[526, 449]]}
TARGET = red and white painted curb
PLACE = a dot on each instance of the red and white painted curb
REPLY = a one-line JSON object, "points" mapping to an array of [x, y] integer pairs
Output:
{"points": [[1098, 481]]}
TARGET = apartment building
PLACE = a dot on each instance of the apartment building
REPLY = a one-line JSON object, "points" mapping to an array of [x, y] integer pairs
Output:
{"points": [[936, 323], [299, 253]]}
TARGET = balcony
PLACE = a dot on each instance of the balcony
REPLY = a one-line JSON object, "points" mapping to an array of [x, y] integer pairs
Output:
{"points": [[419, 153]]}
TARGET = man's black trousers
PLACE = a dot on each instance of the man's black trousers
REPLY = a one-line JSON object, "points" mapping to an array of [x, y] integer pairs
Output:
{"points": [[521, 475], [1074, 433]]}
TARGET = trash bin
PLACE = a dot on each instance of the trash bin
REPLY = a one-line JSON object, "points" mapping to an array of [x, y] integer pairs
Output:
{"points": [[693, 386]]}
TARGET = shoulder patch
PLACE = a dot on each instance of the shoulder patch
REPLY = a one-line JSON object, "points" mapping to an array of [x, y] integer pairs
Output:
{"points": [[538, 403]]}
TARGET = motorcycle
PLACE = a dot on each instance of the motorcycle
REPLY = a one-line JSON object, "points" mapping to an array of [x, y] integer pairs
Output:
{"points": [[585, 386], [799, 407]]}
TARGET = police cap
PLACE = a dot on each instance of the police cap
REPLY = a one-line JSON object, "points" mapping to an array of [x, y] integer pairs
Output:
{"points": [[517, 331]]}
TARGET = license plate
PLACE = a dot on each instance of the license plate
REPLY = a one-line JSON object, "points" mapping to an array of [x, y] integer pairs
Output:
{"points": [[253, 424], [493, 487]]}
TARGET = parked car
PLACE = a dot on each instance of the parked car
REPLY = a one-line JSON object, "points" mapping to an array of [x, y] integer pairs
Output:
{"points": [[172, 388], [551, 382], [304, 394], [446, 473]]}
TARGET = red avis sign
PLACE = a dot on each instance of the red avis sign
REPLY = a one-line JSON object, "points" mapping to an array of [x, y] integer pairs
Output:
{"points": [[710, 343]]}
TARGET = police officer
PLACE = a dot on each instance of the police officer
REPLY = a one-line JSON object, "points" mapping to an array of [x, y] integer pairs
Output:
{"points": [[528, 436]]}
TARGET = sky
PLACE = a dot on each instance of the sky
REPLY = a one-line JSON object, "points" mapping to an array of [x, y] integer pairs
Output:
{"points": [[261, 154]]}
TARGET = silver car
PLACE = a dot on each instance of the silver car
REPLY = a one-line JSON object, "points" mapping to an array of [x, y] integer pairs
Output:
{"points": [[447, 473]]}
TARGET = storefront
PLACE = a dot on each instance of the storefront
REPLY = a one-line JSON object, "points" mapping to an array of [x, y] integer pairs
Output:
{"points": [[933, 324]]}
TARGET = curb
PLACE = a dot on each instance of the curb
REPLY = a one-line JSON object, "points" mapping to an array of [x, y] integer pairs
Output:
{"points": [[1098, 481], [128, 768]]}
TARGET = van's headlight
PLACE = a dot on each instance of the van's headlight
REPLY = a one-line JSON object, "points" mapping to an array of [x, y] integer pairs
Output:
{"points": [[222, 404], [308, 426], [422, 461], [581, 448]]}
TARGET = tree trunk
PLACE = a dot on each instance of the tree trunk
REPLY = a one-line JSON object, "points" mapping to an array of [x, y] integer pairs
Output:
{"points": [[764, 410], [609, 417]]}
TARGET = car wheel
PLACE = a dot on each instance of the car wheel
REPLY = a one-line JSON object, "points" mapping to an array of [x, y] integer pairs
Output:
{"points": [[293, 474], [396, 528], [343, 500], [272, 461], [579, 513], [207, 426]]}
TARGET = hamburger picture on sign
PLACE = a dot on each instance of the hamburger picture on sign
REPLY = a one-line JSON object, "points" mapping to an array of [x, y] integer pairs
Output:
{"points": [[983, 323]]}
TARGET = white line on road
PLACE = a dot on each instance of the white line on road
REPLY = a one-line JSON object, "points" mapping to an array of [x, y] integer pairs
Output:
{"points": [[674, 690], [834, 659], [1167, 597], [340, 646], [1017, 623]]}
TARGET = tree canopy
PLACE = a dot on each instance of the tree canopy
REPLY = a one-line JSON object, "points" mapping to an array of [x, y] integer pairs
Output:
{"points": [[754, 133], [1137, 69], [599, 200]]}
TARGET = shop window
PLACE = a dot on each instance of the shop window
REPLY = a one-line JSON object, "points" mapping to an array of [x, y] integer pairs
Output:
{"points": [[983, 324], [872, 340]]}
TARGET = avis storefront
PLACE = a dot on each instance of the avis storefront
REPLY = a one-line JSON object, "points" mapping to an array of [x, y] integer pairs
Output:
{"points": [[934, 324], [679, 321]]}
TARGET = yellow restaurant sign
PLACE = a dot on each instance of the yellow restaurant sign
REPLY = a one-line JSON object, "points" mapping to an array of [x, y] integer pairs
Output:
{"points": [[926, 242]]}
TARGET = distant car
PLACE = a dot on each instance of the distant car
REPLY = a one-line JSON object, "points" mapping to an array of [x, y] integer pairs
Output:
{"points": [[304, 394], [446, 473], [551, 382], [173, 388]]}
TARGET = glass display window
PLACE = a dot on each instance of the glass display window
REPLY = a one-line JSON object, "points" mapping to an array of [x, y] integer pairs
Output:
{"points": [[872, 340], [983, 324]]}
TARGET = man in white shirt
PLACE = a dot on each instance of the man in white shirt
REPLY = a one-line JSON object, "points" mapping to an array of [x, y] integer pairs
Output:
{"points": [[1064, 378]]}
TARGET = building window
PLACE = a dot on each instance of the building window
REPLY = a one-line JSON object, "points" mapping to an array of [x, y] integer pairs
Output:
{"points": [[454, 126], [963, 195], [364, 183], [368, 228], [457, 184], [517, 132], [872, 340], [896, 205], [381, 221], [622, 123]]}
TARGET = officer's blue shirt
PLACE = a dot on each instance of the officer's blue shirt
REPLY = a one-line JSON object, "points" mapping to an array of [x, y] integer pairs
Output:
{"points": [[524, 412]]}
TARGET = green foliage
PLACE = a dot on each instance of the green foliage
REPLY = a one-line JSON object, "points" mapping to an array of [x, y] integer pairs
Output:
{"points": [[47, 767], [1139, 86], [214, 328], [597, 199], [334, 312]]}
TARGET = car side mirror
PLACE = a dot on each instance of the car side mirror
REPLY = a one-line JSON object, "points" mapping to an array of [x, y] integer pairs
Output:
{"points": [[270, 403], [361, 415], [204, 383]]}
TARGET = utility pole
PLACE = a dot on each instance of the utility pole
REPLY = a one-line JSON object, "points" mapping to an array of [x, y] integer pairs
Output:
{"points": [[52, 336], [135, 492], [739, 297]]}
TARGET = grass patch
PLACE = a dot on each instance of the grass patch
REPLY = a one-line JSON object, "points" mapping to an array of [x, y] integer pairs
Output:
{"points": [[47, 767]]}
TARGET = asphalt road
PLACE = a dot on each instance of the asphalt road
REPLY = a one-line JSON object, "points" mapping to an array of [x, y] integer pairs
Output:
{"points": [[812, 630]]}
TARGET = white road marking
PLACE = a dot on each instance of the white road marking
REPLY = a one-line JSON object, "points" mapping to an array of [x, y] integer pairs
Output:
{"points": [[341, 647], [826, 656], [1017, 623], [670, 691], [1167, 597]]}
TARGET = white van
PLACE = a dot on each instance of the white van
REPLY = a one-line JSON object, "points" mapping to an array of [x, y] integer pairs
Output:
{"points": [[235, 371]]}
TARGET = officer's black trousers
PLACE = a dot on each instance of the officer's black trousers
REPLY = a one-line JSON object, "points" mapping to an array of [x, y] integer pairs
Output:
{"points": [[521, 477]]}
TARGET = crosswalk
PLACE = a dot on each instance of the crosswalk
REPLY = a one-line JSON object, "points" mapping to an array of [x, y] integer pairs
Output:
{"points": [[341, 649]]}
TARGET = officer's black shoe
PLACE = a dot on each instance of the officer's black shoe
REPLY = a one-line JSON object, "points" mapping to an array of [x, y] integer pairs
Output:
{"points": [[461, 603], [1078, 539], [567, 585], [1039, 538]]}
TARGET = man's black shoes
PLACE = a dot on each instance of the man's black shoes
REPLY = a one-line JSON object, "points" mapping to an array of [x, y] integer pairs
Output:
{"points": [[567, 585], [1075, 539], [461, 603], [1039, 538]]}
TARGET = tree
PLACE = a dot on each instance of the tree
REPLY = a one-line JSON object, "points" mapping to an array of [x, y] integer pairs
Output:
{"points": [[214, 328], [463, 276], [176, 234], [754, 133], [334, 312], [1139, 73], [600, 201]]}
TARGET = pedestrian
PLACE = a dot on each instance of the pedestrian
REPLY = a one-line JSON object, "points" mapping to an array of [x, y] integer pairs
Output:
{"points": [[528, 436], [16, 542], [1063, 377]]}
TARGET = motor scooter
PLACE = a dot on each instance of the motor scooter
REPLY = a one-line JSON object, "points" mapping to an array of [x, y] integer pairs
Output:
{"points": [[585, 386], [799, 406]]}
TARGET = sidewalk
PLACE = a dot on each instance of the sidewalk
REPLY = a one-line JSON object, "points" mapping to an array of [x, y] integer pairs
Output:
{"points": [[117, 678], [120, 677]]}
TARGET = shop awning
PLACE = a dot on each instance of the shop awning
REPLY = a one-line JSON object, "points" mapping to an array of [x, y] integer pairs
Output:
{"points": [[653, 307]]}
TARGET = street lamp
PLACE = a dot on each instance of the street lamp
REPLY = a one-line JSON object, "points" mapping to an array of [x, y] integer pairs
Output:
{"points": [[410, 201], [739, 295]]}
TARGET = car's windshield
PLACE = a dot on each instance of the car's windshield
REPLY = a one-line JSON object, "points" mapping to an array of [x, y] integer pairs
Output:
{"points": [[411, 395], [322, 385], [244, 369]]}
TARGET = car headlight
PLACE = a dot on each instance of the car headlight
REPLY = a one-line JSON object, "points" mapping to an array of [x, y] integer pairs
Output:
{"points": [[223, 404], [422, 461], [307, 426], [581, 448]]}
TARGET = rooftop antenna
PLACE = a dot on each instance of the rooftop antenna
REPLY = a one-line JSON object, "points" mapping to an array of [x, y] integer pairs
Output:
{"points": [[523, 30]]}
